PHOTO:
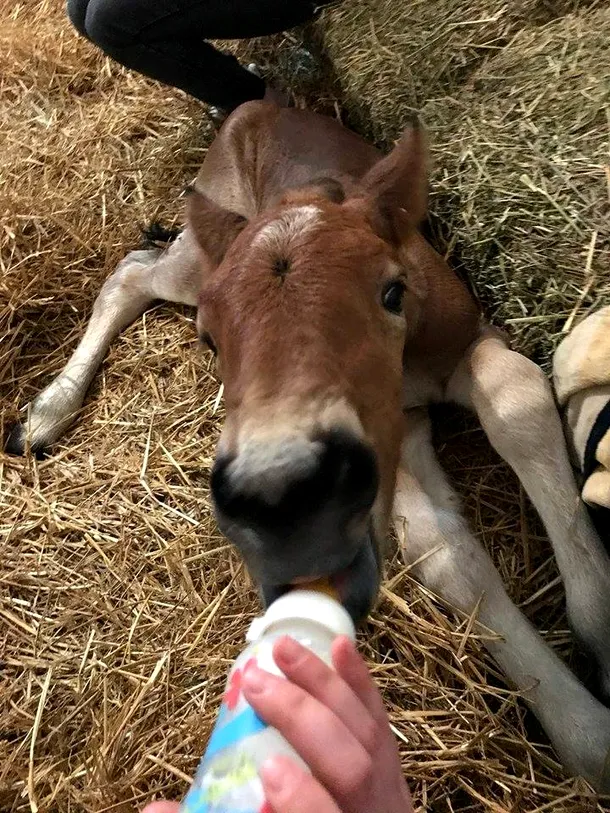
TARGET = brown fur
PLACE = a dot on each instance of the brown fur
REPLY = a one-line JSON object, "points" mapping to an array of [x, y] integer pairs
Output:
{"points": [[300, 238], [320, 328]]}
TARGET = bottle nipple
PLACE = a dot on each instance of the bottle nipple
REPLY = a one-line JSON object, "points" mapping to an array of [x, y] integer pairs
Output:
{"points": [[321, 586]]}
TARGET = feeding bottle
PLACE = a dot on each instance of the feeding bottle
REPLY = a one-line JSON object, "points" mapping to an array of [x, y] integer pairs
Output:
{"points": [[227, 780]]}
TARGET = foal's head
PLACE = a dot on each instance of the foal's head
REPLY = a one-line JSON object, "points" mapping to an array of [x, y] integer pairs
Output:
{"points": [[308, 307]]}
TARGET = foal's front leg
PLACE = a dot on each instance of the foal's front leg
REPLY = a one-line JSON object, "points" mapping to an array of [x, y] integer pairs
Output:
{"points": [[434, 537], [515, 405], [138, 280]]}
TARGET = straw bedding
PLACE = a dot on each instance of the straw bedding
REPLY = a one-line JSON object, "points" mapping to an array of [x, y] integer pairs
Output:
{"points": [[121, 605], [516, 97]]}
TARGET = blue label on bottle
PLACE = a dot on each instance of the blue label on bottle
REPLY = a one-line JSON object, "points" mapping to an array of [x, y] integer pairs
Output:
{"points": [[196, 802], [226, 776], [243, 725]]}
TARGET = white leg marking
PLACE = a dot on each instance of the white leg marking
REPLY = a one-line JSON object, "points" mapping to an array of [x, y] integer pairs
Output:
{"points": [[515, 405], [432, 532], [139, 279]]}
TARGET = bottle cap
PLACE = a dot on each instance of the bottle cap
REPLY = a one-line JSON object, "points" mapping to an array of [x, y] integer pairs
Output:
{"points": [[304, 605]]}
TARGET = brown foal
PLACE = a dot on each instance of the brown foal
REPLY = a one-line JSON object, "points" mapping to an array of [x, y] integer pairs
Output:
{"points": [[335, 325]]}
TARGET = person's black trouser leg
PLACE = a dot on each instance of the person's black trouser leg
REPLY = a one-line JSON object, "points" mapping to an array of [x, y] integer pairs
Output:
{"points": [[164, 39]]}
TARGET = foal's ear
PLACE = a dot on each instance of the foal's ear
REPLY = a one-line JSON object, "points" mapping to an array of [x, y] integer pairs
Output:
{"points": [[213, 227], [396, 188]]}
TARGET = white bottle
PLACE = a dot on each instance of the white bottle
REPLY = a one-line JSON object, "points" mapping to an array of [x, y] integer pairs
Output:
{"points": [[227, 780]]}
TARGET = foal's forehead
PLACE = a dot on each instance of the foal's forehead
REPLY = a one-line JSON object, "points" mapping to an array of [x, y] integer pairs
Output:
{"points": [[291, 225], [319, 228]]}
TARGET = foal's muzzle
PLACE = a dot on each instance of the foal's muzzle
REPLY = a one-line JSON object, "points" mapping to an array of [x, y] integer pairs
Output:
{"points": [[300, 509]]}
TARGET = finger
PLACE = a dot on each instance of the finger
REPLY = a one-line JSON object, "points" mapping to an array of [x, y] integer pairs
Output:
{"points": [[306, 670], [290, 789], [351, 667], [328, 747], [162, 807]]}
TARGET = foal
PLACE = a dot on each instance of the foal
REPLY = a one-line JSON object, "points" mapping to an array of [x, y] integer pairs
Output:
{"points": [[335, 325]]}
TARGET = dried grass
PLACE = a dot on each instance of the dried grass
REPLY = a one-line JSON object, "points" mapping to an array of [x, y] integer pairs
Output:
{"points": [[121, 606], [517, 100]]}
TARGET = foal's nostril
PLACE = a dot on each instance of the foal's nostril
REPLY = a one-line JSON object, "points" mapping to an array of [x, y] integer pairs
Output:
{"points": [[348, 470], [333, 476]]}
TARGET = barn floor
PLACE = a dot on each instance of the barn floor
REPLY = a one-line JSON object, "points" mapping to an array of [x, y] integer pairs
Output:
{"points": [[121, 605]]}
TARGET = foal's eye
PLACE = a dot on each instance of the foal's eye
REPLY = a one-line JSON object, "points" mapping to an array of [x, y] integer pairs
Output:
{"points": [[392, 296], [207, 341]]}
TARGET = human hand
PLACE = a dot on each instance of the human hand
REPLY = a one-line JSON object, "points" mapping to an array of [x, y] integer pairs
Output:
{"points": [[336, 721]]}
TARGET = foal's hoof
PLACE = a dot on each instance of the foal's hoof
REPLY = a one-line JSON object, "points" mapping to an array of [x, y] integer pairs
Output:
{"points": [[217, 116], [256, 69], [16, 443]]}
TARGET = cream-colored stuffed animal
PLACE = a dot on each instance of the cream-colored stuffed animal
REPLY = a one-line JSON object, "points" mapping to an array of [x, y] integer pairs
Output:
{"points": [[581, 373]]}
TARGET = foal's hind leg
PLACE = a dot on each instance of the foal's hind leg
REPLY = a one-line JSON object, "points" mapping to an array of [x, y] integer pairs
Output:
{"points": [[437, 542], [515, 405], [138, 280]]}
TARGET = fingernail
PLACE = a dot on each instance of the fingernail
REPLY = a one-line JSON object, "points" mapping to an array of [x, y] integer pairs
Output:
{"points": [[288, 650], [274, 775], [255, 680]]}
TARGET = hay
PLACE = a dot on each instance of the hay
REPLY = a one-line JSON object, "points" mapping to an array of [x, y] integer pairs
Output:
{"points": [[518, 108], [390, 59], [121, 606], [523, 189]]}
